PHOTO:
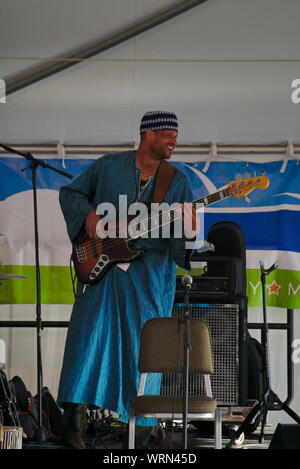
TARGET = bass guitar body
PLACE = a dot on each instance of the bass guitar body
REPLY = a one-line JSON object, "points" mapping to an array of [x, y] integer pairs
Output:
{"points": [[92, 258]]}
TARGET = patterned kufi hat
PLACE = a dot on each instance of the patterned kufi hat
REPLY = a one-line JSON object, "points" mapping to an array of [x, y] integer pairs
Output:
{"points": [[159, 120]]}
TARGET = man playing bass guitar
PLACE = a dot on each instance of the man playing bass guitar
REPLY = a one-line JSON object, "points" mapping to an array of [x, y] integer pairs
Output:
{"points": [[100, 365]]}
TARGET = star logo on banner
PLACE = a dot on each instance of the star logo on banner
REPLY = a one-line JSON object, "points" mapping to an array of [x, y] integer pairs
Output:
{"points": [[274, 288]]}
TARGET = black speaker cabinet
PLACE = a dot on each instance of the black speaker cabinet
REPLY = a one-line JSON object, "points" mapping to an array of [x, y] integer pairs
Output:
{"points": [[228, 327], [286, 436]]}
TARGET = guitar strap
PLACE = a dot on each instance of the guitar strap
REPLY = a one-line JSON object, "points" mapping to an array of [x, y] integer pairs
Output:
{"points": [[165, 174]]}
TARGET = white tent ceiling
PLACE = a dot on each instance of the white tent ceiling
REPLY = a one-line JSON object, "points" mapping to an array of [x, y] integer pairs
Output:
{"points": [[217, 66]]}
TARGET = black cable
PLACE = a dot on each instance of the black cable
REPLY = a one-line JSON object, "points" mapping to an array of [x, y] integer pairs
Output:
{"points": [[176, 383], [73, 280], [172, 443], [9, 403]]}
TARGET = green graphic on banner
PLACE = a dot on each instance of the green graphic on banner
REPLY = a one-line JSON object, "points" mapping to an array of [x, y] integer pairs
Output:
{"points": [[282, 286], [55, 281]]}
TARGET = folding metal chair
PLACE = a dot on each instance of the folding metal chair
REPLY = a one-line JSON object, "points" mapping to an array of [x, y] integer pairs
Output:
{"points": [[162, 351]]}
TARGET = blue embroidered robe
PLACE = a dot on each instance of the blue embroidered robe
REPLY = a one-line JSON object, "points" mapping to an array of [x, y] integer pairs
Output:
{"points": [[100, 364]]}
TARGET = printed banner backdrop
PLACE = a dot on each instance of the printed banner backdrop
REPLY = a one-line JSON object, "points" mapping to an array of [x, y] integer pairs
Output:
{"points": [[270, 220]]}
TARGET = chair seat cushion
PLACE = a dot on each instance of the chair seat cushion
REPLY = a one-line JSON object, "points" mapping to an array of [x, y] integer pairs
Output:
{"points": [[166, 404]]}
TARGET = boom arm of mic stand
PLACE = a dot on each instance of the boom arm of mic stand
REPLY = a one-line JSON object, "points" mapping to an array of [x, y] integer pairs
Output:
{"points": [[35, 161]]}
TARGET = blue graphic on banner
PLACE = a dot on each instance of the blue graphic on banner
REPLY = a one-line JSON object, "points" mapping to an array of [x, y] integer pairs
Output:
{"points": [[14, 179], [274, 226]]}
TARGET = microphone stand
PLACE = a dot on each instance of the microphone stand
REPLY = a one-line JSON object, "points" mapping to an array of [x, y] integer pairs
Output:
{"points": [[34, 164], [269, 398], [187, 282]]}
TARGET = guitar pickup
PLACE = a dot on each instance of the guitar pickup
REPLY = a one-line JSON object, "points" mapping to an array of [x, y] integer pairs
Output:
{"points": [[81, 254]]}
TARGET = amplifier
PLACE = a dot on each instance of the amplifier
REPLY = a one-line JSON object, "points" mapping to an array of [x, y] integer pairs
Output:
{"points": [[214, 277], [228, 326], [207, 286]]}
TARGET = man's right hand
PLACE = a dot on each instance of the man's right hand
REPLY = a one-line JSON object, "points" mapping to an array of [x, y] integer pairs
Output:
{"points": [[91, 223]]}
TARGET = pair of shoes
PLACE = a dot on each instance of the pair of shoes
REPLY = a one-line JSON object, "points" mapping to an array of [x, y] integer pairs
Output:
{"points": [[83, 422], [72, 440], [73, 425]]}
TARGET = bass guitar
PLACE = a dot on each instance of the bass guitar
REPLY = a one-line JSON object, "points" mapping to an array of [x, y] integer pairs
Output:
{"points": [[93, 257]]}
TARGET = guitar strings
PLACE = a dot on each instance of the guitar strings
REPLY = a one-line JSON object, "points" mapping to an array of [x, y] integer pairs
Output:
{"points": [[90, 245]]}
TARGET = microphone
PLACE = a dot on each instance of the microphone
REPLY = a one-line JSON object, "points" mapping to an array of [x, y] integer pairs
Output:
{"points": [[187, 281]]}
